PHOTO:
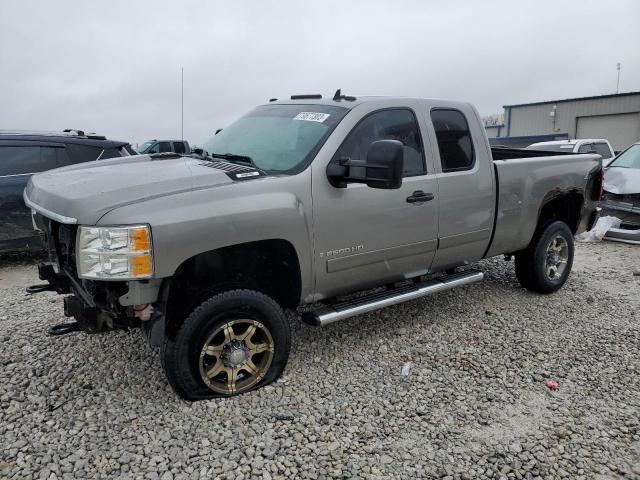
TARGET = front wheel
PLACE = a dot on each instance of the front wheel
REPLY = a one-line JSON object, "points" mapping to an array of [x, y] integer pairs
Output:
{"points": [[545, 264], [232, 343]]}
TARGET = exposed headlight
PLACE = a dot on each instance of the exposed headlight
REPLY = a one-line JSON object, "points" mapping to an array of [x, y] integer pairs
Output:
{"points": [[115, 253]]}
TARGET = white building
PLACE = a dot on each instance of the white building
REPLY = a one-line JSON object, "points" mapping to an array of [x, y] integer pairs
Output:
{"points": [[615, 117]]}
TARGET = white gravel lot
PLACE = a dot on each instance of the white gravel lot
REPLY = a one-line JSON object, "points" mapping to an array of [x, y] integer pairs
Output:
{"points": [[473, 405]]}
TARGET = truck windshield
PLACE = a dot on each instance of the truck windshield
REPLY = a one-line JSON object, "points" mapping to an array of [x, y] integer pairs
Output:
{"points": [[281, 139], [630, 158]]}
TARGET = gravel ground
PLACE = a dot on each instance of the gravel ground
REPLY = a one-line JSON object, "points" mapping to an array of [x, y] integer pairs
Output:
{"points": [[474, 404]]}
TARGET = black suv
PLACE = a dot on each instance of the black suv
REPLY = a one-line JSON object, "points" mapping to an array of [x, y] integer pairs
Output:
{"points": [[24, 153]]}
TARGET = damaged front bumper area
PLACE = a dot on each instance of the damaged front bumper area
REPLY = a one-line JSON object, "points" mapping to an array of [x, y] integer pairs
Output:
{"points": [[627, 208], [96, 306]]}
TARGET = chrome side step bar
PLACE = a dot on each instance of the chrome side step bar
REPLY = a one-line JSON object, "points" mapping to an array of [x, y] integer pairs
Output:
{"points": [[326, 314]]}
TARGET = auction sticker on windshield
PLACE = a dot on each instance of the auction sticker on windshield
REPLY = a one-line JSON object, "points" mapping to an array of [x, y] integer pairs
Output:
{"points": [[312, 116]]}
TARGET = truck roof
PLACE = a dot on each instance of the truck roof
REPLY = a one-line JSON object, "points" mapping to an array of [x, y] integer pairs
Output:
{"points": [[351, 102]]}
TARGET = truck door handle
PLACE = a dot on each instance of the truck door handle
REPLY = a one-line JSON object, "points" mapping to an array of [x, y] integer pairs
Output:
{"points": [[419, 196]]}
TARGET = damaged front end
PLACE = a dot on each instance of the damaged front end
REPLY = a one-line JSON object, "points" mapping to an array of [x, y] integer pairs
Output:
{"points": [[621, 197], [97, 306], [626, 207]]}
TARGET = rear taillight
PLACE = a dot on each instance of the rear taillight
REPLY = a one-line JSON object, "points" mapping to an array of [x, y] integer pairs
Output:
{"points": [[601, 184]]}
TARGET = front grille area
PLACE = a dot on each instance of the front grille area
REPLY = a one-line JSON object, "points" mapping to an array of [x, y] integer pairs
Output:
{"points": [[626, 207], [629, 198], [64, 239], [94, 293]]}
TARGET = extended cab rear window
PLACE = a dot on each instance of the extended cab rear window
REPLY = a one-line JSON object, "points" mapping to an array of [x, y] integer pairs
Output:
{"points": [[454, 140]]}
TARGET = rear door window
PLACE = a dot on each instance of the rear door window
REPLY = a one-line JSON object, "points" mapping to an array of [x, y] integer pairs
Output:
{"points": [[603, 150], [454, 140], [25, 160], [165, 147]]}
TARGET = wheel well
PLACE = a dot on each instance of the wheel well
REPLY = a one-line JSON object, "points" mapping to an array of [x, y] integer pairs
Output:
{"points": [[268, 266], [566, 207]]}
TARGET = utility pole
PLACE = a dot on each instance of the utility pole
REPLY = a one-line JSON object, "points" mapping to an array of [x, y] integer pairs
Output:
{"points": [[182, 103], [618, 84]]}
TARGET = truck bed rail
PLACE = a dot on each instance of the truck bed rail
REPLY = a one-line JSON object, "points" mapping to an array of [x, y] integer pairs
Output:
{"points": [[505, 153]]}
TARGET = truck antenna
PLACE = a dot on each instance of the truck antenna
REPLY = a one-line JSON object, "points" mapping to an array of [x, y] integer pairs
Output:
{"points": [[338, 96]]}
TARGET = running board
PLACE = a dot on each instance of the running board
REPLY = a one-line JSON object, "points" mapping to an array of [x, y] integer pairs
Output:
{"points": [[325, 314]]}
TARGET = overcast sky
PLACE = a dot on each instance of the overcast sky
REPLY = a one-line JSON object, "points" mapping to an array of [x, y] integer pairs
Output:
{"points": [[113, 67]]}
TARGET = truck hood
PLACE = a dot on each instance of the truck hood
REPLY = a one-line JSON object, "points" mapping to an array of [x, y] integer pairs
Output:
{"points": [[83, 193], [622, 181]]}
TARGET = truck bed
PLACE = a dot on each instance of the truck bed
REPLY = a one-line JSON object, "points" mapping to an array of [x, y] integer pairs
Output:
{"points": [[527, 179]]}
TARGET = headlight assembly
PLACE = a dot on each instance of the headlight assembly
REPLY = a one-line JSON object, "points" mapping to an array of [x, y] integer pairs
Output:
{"points": [[115, 253]]}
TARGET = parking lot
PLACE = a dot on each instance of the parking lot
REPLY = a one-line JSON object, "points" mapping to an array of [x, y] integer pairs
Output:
{"points": [[473, 405]]}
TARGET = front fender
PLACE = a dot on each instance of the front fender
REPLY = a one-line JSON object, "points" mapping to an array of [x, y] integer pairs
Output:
{"points": [[191, 223]]}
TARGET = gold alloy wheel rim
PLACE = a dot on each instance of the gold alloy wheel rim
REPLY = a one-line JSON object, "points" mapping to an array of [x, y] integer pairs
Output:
{"points": [[236, 356]]}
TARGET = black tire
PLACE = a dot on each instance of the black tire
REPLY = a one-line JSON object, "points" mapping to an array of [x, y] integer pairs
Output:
{"points": [[531, 263], [181, 357]]}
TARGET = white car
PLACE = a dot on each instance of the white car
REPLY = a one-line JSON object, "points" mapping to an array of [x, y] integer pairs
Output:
{"points": [[584, 145]]}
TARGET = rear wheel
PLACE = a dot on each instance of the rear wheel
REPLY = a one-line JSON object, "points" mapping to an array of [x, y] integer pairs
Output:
{"points": [[545, 264], [232, 343]]}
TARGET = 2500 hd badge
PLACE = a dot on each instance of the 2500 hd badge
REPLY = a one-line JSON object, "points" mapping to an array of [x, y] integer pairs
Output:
{"points": [[341, 251]]}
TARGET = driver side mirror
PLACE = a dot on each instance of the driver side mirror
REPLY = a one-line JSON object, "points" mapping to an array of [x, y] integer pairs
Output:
{"points": [[382, 168]]}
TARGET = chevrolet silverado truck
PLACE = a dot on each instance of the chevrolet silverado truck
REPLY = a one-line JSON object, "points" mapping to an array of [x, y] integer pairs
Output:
{"points": [[343, 204]]}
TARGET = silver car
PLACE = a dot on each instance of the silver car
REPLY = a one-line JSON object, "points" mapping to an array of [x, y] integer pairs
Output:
{"points": [[622, 195]]}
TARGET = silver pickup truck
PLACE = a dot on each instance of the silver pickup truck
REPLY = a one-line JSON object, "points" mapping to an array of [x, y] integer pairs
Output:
{"points": [[305, 201]]}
